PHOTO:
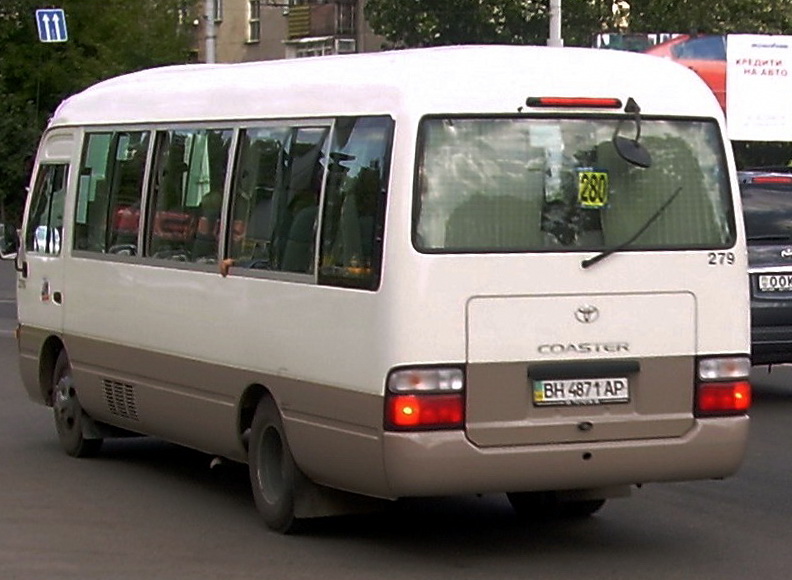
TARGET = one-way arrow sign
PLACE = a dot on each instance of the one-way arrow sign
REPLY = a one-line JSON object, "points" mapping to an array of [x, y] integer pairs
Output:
{"points": [[52, 25]]}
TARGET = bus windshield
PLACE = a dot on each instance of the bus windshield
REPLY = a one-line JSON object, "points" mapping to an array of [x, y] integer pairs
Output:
{"points": [[558, 184]]}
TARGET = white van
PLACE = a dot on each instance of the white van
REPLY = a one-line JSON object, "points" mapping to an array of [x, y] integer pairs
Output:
{"points": [[438, 271]]}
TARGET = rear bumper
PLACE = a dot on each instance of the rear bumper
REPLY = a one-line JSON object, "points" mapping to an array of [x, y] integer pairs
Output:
{"points": [[447, 463]]}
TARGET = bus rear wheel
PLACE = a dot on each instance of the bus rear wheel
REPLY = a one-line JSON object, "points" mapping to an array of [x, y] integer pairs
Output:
{"points": [[274, 476], [69, 414], [539, 505]]}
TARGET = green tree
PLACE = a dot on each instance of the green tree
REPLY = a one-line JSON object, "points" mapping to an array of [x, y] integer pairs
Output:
{"points": [[409, 23], [412, 23], [18, 135], [106, 38], [714, 17]]}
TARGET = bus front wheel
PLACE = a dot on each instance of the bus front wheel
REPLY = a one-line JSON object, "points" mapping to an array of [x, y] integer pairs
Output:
{"points": [[69, 414], [274, 476]]}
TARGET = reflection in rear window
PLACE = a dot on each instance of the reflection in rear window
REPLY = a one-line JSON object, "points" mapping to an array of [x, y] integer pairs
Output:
{"points": [[557, 184]]}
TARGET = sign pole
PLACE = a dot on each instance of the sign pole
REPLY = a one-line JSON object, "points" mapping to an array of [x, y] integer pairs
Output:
{"points": [[555, 24]]}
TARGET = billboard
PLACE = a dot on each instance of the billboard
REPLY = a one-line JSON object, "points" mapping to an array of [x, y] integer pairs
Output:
{"points": [[759, 87]]}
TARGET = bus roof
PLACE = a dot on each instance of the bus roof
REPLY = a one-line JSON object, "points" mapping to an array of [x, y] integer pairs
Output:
{"points": [[460, 79]]}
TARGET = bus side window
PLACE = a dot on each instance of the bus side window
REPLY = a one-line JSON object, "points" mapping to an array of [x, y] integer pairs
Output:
{"points": [[109, 192], [186, 194], [353, 213], [45, 222], [275, 197], [298, 201], [90, 218], [252, 198]]}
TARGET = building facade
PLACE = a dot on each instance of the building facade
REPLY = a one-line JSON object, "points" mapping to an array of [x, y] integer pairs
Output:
{"points": [[248, 30]]}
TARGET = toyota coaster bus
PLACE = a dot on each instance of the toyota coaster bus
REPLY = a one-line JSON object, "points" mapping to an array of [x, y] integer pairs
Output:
{"points": [[425, 272]]}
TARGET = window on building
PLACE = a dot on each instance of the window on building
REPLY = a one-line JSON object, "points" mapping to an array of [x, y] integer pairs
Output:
{"points": [[254, 21], [345, 19]]}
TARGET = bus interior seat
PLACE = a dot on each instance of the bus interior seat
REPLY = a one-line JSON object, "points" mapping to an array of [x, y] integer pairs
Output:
{"points": [[298, 250], [637, 193], [509, 220]]}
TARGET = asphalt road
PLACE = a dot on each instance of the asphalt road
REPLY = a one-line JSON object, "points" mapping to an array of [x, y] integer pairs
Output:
{"points": [[7, 302], [147, 510]]}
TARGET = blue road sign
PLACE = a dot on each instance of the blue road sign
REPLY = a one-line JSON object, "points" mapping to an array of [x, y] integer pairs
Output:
{"points": [[52, 25]]}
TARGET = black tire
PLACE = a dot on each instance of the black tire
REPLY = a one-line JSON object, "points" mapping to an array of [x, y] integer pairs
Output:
{"points": [[69, 414], [544, 505], [274, 476]]}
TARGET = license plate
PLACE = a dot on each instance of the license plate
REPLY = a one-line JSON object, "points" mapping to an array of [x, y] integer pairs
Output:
{"points": [[775, 282], [600, 391]]}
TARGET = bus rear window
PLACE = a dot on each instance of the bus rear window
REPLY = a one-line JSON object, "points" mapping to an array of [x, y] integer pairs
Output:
{"points": [[558, 184]]}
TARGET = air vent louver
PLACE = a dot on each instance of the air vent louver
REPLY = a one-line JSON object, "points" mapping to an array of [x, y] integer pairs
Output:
{"points": [[121, 400]]}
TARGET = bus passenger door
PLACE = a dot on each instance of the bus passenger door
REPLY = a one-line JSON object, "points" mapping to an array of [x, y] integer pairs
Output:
{"points": [[40, 281]]}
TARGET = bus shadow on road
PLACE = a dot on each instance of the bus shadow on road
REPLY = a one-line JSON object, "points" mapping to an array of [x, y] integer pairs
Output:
{"points": [[772, 383], [470, 522]]}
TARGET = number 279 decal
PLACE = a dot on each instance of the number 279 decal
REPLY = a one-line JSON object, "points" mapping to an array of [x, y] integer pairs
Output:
{"points": [[721, 258]]}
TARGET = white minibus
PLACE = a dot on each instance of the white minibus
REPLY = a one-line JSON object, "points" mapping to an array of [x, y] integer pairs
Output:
{"points": [[479, 269]]}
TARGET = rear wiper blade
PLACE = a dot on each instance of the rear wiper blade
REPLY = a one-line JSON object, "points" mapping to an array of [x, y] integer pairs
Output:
{"points": [[588, 262]]}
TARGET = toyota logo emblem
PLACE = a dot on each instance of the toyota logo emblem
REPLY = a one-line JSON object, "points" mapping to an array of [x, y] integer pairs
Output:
{"points": [[587, 314]]}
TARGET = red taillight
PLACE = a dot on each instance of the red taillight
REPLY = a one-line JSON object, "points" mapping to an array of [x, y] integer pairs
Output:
{"points": [[765, 179], [728, 398], [425, 411], [577, 102]]}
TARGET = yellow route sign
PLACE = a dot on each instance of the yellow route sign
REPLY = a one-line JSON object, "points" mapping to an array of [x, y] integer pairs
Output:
{"points": [[593, 188]]}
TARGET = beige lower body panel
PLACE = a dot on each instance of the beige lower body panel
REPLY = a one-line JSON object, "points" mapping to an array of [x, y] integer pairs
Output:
{"points": [[337, 438], [447, 463], [334, 434], [31, 341]]}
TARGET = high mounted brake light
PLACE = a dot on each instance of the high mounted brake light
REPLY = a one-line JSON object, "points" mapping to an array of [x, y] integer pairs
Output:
{"points": [[574, 102]]}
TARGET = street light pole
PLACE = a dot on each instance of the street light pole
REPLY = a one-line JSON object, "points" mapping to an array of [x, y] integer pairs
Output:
{"points": [[555, 24], [210, 30]]}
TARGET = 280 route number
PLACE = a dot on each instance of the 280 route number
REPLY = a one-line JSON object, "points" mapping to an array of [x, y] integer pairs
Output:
{"points": [[593, 188]]}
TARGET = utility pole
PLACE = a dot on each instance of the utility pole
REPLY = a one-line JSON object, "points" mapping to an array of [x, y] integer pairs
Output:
{"points": [[210, 30], [555, 24]]}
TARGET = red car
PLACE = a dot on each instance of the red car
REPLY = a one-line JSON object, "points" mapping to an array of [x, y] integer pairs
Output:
{"points": [[704, 54]]}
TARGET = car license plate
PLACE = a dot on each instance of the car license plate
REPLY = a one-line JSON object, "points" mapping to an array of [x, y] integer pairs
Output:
{"points": [[775, 282], [599, 391]]}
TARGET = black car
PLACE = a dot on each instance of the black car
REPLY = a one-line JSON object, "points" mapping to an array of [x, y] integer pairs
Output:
{"points": [[767, 207]]}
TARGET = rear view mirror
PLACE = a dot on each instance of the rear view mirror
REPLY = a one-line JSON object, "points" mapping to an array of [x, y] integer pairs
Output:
{"points": [[632, 151]]}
